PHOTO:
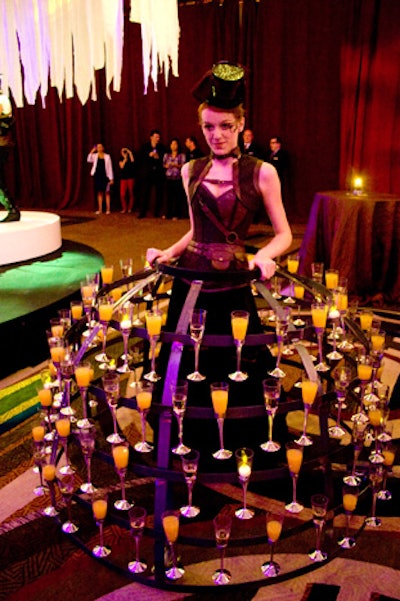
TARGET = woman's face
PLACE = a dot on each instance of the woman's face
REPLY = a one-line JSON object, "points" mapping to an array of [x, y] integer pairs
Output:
{"points": [[174, 145], [221, 130]]}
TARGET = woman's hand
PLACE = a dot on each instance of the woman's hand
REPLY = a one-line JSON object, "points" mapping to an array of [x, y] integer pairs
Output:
{"points": [[266, 265], [155, 253]]}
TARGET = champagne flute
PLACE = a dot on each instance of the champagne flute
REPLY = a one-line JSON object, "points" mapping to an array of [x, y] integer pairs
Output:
{"points": [[358, 436], [319, 312], [67, 371], [342, 377], [76, 310], [389, 454], [319, 506], [66, 486], [309, 390], [272, 392], [190, 464], [107, 274], [342, 300], [83, 376], [331, 279], [239, 322], [144, 394], [111, 385], [293, 261], [49, 474], [179, 397], [170, 522], [294, 455], [317, 272], [46, 400], [120, 453], [244, 461], [137, 521], [153, 326], [376, 477], [350, 498], [375, 419], [105, 309], [274, 524], [63, 427], [39, 456], [219, 397], [197, 327], [364, 372], [222, 530], [334, 316], [87, 439], [99, 508], [366, 317], [124, 315], [88, 293], [58, 350], [282, 319]]}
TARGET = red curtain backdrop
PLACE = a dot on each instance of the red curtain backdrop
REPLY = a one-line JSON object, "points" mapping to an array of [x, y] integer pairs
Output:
{"points": [[323, 75]]}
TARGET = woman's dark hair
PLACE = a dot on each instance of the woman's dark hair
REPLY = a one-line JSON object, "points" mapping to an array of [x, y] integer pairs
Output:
{"points": [[177, 141]]}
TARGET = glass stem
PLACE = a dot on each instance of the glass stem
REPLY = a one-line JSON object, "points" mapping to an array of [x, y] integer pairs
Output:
{"points": [[222, 559], [270, 426], [84, 401], [334, 342], [65, 448], [101, 533], [105, 327], [171, 545], [279, 355], [40, 474], [114, 418], [348, 516], [121, 474], [319, 531], [153, 341], [244, 485], [339, 410], [271, 559], [220, 421], [374, 495], [239, 345], [89, 469], [125, 340], [294, 483], [137, 539], [196, 355], [190, 492], [67, 393], [319, 337], [180, 429], [143, 419], [305, 419]]}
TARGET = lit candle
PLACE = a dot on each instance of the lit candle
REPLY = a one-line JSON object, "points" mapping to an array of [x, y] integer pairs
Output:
{"points": [[125, 324], [244, 470], [357, 185]]}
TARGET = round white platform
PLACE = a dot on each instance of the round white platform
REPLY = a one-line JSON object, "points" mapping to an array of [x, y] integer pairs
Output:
{"points": [[36, 234]]}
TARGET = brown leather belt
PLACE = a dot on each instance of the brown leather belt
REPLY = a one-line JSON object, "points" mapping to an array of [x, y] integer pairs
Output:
{"points": [[220, 255]]}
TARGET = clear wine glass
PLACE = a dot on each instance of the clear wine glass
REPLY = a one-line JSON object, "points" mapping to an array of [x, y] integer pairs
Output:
{"points": [[99, 508], [293, 261], [331, 279], [170, 522], [88, 293], [67, 371], [153, 326], [342, 376], [282, 319], [222, 530], [105, 305], [107, 274], [350, 498], [144, 395], [87, 439], [83, 376], [375, 419], [124, 315], [389, 454], [39, 456], [244, 462], [58, 350], [219, 397], [358, 436], [274, 523], [45, 395], [334, 316], [190, 464], [137, 521], [120, 453], [239, 322], [197, 326], [76, 310], [179, 393], [63, 427], [376, 478], [272, 392], [364, 372], [319, 507], [317, 272], [342, 305], [66, 485], [49, 474], [309, 390], [111, 385], [294, 456], [319, 313]]}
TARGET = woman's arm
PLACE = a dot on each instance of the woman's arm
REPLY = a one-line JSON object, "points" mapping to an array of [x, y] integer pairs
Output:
{"points": [[176, 249], [271, 192]]}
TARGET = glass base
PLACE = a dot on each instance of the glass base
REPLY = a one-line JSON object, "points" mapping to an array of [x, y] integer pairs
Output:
{"points": [[50, 511], [238, 376], [384, 495], [373, 521], [222, 454], [87, 487], [359, 417], [304, 441], [181, 449], [289, 301], [68, 411], [67, 470], [270, 569], [270, 446], [195, 376], [318, 555], [294, 507], [39, 491], [124, 369], [152, 376], [137, 567], [334, 356], [277, 373], [102, 358], [244, 513], [346, 542], [101, 551], [84, 423], [336, 432], [174, 573], [352, 480], [376, 458], [190, 511], [322, 367], [299, 323], [288, 352], [115, 438], [346, 346], [123, 505], [69, 527], [384, 437], [143, 447], [222, 576]]}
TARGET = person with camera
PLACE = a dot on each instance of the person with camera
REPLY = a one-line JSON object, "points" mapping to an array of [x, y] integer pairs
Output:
{"points": [[127, 180]]}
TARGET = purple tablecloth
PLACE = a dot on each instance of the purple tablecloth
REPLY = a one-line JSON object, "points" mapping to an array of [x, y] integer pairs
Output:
{"points": [[359, 236]]}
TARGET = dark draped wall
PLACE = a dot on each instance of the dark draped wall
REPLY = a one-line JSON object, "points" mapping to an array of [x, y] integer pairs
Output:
{"points": [[323, 74]]}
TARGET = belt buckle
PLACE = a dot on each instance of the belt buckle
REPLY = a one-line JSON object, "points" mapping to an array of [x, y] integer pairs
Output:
{"points": [[232, 237]]}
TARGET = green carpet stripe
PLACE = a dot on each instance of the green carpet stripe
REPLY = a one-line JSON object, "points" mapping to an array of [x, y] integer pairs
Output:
{"points": [[21, 408], [13, 396], [18, 419]]}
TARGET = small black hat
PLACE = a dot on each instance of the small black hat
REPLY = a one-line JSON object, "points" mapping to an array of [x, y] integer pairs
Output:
{"points": [[222, 86]]}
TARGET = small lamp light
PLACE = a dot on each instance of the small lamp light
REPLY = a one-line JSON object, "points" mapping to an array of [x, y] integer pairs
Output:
{"points": [[357, 187]]}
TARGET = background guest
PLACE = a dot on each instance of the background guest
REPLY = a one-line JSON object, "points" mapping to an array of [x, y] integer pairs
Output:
{"points": [[102, 171], [278, 157], [127, 179], [192, 149], [152, 173], [248, 146], [173, 162]]}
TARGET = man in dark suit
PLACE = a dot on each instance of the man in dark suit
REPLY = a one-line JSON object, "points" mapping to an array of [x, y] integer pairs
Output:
{"points": [[152, 173], [192, 149], [248, 146], [279, 158]]}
